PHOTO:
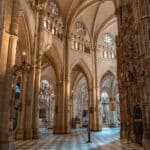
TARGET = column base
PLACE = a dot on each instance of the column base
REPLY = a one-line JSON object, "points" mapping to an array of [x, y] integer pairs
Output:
{"points": [[60, 132], [123, 134], [96, 129], [56, 132], [19, 135], [36, 134], [28, 133], [146, 139]]}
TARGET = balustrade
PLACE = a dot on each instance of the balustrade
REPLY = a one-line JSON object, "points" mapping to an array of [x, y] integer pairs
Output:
{"points": [[107, 52], [53, 26], [80, 45], [108, 55]]}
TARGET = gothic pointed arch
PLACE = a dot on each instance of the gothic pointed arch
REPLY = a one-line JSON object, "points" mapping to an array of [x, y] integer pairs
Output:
{"points": [[105, 74], [108, 83], [52, 57], [80, 7], [109, 21], [83, 67]]}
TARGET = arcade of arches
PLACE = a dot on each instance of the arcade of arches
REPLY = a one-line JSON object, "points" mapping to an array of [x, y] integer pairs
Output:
{"points": [[68, 64]]}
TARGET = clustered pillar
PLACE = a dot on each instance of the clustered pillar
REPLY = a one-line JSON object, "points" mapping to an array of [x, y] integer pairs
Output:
{"points": [[8, 43], [144, 29], [133, 70]]}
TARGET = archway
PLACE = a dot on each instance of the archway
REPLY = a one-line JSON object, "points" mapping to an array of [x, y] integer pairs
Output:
{"points": [[138, 124], [80, 95], [110, 108], [46, 105], [80, 115], [48, 91]]}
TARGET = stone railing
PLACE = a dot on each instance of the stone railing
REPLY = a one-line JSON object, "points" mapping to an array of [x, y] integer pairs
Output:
{"points": [[108, 55], [53, 26], [80, 44], [107, 52]]}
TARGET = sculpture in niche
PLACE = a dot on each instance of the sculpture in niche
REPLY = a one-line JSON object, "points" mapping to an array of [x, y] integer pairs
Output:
{"points": [[108, 39], [52, 7], [80, 28]]}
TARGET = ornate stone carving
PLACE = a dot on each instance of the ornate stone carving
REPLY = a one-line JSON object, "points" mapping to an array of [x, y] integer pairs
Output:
{"points": [[80, 28], [52, 8]]}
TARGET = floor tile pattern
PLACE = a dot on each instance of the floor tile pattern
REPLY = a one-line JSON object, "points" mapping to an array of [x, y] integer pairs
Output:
{"points": [[108, 139]]}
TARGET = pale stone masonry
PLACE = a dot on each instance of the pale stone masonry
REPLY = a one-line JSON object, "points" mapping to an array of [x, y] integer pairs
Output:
{"points": [[69, 38]]}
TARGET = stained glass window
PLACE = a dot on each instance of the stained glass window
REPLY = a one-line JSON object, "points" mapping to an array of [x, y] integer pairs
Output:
{"points": [[108, 39]]}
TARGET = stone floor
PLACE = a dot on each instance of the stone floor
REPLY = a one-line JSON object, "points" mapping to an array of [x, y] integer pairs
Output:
{"points": [[108, 139]]}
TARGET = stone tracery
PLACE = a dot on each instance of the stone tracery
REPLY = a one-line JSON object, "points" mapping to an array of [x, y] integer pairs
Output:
{"points": [[132, 58], [108, 39]]}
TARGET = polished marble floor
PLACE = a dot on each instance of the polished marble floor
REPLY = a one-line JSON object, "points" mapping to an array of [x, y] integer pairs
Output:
{"points": [[108, 139]]}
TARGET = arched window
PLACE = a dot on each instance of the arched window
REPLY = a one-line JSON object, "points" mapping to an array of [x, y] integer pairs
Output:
{"points": [[108, 39]]}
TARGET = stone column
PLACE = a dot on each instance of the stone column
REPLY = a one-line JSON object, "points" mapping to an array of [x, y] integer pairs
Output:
{"points": [[67, 110], [37, 60], [62, 122], [28, 134], [143, 7], [8, 44], [21, 114], [6, 89], [59, 125], [33, 83], [90, 124], [36, 100], [146, 108], [37, 69], [94, 104]]}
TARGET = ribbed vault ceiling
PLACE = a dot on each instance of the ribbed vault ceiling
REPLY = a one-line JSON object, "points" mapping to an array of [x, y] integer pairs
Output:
{"points": [[93, 13]]}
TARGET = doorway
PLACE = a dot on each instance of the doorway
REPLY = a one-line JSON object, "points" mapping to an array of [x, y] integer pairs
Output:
{"points": [[138, 124]]}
